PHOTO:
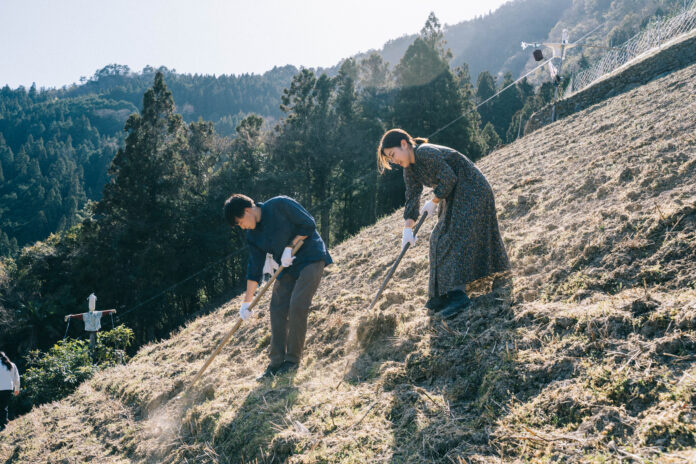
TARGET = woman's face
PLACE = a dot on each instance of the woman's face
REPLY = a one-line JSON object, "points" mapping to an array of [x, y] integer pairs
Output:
{"points": [[248, 221], [400, 155]]}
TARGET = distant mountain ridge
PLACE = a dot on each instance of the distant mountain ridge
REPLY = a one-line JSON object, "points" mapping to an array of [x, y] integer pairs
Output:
{"points": [[492, 42]]}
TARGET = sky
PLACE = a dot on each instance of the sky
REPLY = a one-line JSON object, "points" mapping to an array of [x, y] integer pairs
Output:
{"points": [[55, 42]]}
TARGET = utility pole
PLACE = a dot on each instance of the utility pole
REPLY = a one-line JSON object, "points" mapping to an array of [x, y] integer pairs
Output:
{"points": [[555, 73], [564, 42]]}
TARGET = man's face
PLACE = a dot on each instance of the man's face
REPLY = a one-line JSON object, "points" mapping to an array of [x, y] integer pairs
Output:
{"points": [[248, 221]]}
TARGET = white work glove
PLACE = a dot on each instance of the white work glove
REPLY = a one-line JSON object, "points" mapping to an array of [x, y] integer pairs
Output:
{"points": [[270, 266], [244, 312], [429, 207], [408, 237], [287, 258]]}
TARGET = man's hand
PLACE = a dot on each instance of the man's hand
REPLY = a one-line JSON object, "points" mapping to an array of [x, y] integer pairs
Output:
{"points": [[16, 392], [66, 318], [270, 266], [287, 258], [244, 312], [407, 237]]}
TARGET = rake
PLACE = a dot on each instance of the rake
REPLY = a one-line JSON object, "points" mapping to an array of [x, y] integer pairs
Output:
{"points": [[239, 322], [396, 263]]}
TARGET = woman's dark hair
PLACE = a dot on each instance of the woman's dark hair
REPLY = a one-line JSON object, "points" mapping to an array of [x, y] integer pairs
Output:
{"points": [[5, 360], [392, 138], [234, 207]]}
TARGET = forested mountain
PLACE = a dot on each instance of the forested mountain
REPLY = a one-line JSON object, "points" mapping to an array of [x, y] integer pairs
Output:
{"points": [[223, 100], [56, 145]]}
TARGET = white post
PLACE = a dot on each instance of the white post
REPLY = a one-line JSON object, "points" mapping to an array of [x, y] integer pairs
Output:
{"points": [[564, 41], [659, 39]]}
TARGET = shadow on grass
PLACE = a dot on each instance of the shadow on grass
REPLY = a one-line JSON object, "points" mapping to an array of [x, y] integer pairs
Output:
{"points": [[451, 394], [252, 433], [202, 433]]}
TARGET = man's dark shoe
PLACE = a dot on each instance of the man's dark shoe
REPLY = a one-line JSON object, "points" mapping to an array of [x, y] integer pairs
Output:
{"points": [[436, 303], [287, 366], [458, 302], [268, 373]]}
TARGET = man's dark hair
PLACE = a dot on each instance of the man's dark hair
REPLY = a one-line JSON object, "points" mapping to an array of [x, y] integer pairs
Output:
{"points": [[235, 205]]}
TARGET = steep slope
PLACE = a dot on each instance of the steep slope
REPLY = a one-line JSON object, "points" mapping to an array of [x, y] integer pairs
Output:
{"points": [[587, 354]]}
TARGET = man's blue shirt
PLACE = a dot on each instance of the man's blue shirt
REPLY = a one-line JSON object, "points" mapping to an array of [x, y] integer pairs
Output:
{"points": [[282, 219]]}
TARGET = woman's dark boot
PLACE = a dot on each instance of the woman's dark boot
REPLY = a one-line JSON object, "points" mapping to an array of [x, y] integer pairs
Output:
{"points": [[457, 302], [436, 303]]}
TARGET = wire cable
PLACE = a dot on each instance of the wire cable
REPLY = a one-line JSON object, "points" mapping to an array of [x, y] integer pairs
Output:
{"points": [[488, 99]]}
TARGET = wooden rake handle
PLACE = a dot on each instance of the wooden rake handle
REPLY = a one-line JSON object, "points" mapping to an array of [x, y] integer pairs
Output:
{"points": [[256, 299], [396, 263]]}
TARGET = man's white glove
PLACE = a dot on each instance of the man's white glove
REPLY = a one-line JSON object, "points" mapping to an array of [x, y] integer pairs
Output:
{"points": [[429, 207], [407, 237], [244, 312], [287, 258], [270, 266]]}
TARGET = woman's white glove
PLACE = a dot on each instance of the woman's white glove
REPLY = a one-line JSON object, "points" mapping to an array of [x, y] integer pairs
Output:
{"points": [[287, 258], [244, 312], [408, 237], [429, 207], [270, 266]]}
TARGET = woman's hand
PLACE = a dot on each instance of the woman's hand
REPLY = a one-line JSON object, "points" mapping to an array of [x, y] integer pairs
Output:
{"points": [[407, 237], [430, 207]]}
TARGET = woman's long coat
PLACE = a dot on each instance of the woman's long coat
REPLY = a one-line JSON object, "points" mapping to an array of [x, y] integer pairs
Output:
{"points": [[465, 244]]}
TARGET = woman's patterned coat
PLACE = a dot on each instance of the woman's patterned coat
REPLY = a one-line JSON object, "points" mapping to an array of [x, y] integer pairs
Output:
{"points": [[465, 244]]}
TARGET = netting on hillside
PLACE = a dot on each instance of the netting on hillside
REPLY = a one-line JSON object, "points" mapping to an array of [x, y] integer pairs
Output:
{"points": [[657, 34]]}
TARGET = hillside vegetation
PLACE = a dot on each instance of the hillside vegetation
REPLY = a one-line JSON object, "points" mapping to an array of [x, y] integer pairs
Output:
{"points": [[587, 354]]}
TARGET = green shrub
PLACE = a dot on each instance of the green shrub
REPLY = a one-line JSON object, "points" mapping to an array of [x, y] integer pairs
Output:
{"points": [[56, 373]]}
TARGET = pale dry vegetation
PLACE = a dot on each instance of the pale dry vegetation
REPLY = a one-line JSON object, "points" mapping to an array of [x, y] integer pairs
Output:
{"points": [[587, 354]]}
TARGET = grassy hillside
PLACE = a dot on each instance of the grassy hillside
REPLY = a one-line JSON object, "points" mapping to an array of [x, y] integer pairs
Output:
{"points": [[586, 355]]}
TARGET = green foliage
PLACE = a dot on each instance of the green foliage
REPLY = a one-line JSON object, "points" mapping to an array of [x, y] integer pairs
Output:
{"points": [[56, 145], [150, 209], [491, 136], [430, 96], [56, 373], [112, 345]]}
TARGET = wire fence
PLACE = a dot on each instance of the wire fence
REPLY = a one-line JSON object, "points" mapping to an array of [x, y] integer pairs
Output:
{"points": [[658, 33]]}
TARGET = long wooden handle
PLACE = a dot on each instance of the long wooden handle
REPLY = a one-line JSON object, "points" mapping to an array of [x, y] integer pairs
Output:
{"points": [[396, 263], [256, 299]]}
